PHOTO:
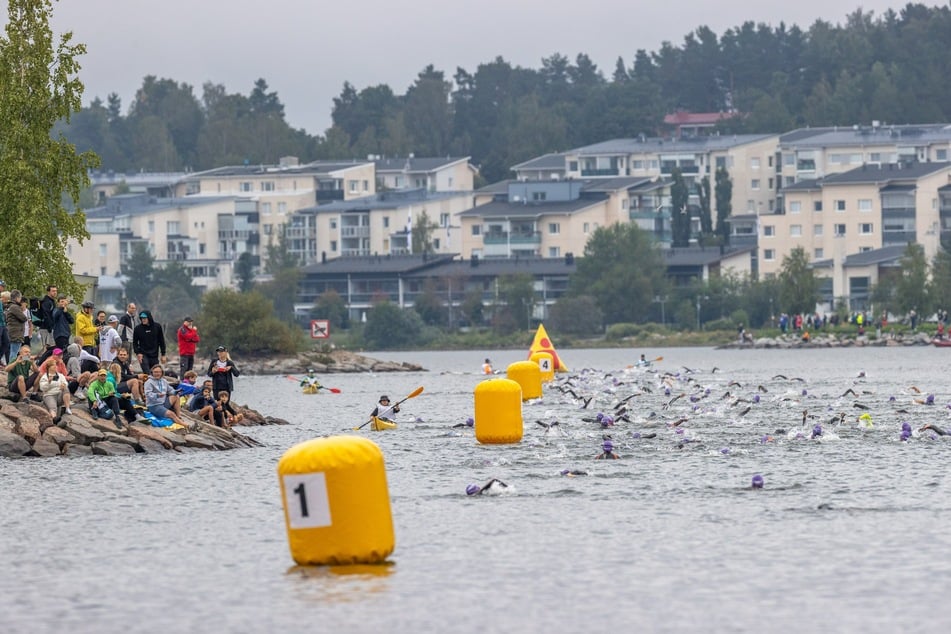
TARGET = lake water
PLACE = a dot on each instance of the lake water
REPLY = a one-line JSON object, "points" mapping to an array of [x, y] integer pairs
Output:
{"points": [[850, 533]]}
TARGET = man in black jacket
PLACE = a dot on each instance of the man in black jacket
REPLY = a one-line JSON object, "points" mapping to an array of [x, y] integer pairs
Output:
{"points": [[47, 306], [148, 341]]}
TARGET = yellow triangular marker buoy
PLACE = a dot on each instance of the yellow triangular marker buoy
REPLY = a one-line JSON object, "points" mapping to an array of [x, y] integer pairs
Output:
{"points": [[542, 343]]}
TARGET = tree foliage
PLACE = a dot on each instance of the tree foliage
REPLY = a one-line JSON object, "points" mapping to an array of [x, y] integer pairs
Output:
{"points": [[245, 324], [140, 274], [911, 288], [39, 85], [623, 271], [332, 307], [575, 315], [390, 327], [799, 287], [679, 212]]}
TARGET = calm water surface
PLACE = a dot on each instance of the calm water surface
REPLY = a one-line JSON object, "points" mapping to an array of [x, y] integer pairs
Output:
{"points": [[850, 534]]}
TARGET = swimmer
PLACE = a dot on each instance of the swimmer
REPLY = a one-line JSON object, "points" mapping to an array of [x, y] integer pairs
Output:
{"points": [[932, 427], [757, 482], [607, 452], [573, 472], [469, 423], [492, 487]]}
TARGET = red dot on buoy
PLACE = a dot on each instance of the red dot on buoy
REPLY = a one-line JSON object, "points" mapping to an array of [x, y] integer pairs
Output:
{"points": [[544, 342]]}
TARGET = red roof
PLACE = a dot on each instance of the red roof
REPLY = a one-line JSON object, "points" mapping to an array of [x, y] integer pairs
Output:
{"points": [[682, 117]]}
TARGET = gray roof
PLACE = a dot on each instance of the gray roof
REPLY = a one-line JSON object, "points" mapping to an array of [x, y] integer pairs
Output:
{"points": [[806, 138], [887, 173], [376, 264], [658, 145], [532, 209], [315, 168], [424, 164], [383, 200], [494, 267], [614, 184], [876, 256], [137, 204], [500, 187], [551, 161], [701, 256]]}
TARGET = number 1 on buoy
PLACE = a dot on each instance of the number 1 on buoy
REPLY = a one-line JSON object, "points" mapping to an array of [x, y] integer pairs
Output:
{"points": [[307, 503]]}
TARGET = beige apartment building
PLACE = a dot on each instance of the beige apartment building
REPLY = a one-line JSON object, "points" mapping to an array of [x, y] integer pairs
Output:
{"points": [[873, 211], [450, 174]]}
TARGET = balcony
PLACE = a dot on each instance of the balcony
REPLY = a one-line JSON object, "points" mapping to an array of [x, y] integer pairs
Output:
{"points": [[610, 171], [354, 232], [329, 195], [520, 237]]}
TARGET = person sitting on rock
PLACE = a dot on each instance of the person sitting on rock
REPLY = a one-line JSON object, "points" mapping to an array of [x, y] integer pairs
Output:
{"points": [[102, 391], [18, 371], [53, 388], [228, 412], [158, 395], [205, 406]]}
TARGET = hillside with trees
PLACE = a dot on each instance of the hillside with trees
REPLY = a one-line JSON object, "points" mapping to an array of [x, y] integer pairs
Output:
{"points": [[888, 67]]}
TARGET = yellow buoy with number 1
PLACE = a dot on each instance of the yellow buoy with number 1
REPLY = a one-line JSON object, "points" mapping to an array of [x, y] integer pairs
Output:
{"points": [[336, 502]]}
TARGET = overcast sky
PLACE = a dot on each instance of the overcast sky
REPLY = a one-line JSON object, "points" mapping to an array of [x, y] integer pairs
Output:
{"points": [[306, 49]]}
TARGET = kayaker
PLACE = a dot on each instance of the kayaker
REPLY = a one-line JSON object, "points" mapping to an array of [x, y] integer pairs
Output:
{"points": [[643, 362], [384, 410], [487, 367], [311, 380]]}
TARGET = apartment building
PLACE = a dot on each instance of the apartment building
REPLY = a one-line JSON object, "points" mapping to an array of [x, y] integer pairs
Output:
{"points": [[205, 234], [450, 174], [871, 208]]}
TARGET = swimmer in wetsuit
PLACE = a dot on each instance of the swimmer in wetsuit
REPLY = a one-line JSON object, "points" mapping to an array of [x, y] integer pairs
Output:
{"points": [[607, 451], [492, 486]]}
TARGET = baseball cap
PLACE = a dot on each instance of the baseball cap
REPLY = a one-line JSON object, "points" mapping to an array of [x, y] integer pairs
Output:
{"points": [[112, 318], [188, 319], [103, 373], [143, 315], [88, 304], [221, 349], [57, 351]]}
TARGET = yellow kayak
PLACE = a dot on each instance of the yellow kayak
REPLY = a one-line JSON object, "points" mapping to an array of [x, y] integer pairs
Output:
{"points": [[379, 424], [310, 389]]}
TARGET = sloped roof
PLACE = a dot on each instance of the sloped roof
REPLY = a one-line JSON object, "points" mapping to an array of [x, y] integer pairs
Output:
{"points": [[376, 264], [493, 267], [551, 161], [806, 138], [533, 209], [658, 145], [423, 164], [701, 256], [682, 117], [876, 256]]}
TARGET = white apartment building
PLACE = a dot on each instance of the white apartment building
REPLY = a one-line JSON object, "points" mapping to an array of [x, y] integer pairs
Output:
{"points": [[872, 211]]}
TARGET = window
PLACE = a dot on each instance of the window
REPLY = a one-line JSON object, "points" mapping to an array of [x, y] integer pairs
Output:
{"points": [[477, 230], [817, 205], [443, 220], [875, 157], [865, 228], [267, 186], [720, 162], [449, 182], [795, 206], [539, 196], [244, 187], [282, 208], [754, 163], [151, 226], [103, 250], [554, 252], [638, 165], [865, 204], [554, 228], [770, 181], [788, 180], [769, 231], [789, 159], [772, 205], [839, 230], [353, 186], [171, 227], [366, 186], [585, 227], [769, 254], [572, 166], [795, 231], [817, 230], [268, 229], [655, 164], [838, 205], [624, 204], [201, 248], [266, 209], [436, 243], [754, 184], [769, 160], [941, 155], [751, 205], [818, 254], [333, 246], [333, 223]]}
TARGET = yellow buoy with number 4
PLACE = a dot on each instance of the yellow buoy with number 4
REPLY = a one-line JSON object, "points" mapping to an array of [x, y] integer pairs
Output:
{"points": [[528, 375], [546, 364], [336, 502]]}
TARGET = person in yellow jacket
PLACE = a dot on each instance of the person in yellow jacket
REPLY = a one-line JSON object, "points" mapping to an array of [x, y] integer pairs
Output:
{"points": [[85, 327]]}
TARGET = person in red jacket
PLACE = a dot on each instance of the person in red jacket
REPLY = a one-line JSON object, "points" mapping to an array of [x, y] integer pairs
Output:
{"points": [[187, 340]]}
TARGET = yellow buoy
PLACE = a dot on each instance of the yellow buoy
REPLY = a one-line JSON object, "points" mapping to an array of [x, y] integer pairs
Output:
{"points": [[528, 375], [336, 502], [546, 364], [498, 411]]}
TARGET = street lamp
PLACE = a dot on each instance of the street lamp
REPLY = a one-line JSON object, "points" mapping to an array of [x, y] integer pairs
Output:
{"points": [[661, 300]]}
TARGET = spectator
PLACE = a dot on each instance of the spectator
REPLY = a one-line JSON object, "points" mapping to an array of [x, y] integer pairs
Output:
{"points": [[53, 390], [47, 307], [109, 340], [160, 397], [187, 341], [148, 341], [17, 321], [222, 372], [126, 328], [62, 323], [86, 328]]}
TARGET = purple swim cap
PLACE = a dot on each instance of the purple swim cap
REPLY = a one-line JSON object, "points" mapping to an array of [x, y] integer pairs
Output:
{"points": [[757, 481], [472, 489], [666, 391], [600, 416], [756, 398], [724, 450], [804, 392], [817, 431], [929, 399], [565, 471], [905, 435], [891, 399], [906, 427], [607, 445], [636, 434], [470, 422]]}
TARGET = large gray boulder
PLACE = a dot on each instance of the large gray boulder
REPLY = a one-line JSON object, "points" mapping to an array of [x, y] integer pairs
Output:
{"points": [[12, 445]]}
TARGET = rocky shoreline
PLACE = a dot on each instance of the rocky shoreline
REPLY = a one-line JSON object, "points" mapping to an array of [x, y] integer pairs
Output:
{"points": [[27, 429], [820, 340], [335, 361]]}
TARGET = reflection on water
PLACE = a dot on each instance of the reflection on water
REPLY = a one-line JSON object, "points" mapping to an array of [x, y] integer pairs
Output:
{"points": [[846, 535]]}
